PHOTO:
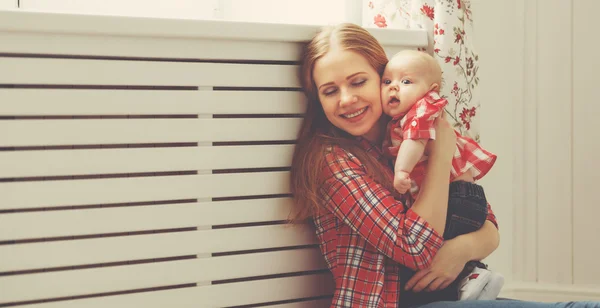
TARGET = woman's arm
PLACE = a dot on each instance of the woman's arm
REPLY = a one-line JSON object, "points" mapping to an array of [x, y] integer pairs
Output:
{"points": [[370, 210], [482, 242], [432, 202], [451, 258]]}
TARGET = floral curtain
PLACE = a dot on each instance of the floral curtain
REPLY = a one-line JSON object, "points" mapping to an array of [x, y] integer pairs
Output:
{"points": [[449, 24]]}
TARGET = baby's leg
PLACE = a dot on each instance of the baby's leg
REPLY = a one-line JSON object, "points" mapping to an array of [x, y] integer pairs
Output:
{"points": [[467, 207], [467, 212]]}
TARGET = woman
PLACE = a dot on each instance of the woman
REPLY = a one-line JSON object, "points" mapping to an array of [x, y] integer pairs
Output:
{"points": [[341, 180]]}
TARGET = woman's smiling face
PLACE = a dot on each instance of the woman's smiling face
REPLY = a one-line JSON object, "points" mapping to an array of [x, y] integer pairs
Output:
{"points": [[349, 91]]}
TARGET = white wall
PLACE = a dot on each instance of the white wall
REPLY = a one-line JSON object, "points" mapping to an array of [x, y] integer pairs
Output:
{"points": [[8, 4], [586, 144], [205, 9], [276, 11], [496, 111], [537, 78], [316, 12]]}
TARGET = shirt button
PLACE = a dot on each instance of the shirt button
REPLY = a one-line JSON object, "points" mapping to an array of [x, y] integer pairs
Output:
{"points": [[413, 123]]}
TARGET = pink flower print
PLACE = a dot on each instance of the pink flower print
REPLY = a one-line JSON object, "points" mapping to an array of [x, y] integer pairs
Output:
{"points": [[458, 38], [437, 30], [469, 66], [456, 60], [467, 9], [371, 6], [466, 115], [428, 11], [455, 89], [380, 21]]}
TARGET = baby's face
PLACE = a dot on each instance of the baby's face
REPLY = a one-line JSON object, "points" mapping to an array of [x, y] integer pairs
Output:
{"points": [[405, 80]]}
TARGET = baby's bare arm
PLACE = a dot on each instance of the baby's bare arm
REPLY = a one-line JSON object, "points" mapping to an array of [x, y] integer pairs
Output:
{"points": [[409, 154]]}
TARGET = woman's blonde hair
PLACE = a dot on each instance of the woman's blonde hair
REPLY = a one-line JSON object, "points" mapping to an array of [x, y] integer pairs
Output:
{"points": [[317, 133]]}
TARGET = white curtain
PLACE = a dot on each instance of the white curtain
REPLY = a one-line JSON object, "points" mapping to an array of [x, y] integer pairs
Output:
{"points": [[449, 24]]}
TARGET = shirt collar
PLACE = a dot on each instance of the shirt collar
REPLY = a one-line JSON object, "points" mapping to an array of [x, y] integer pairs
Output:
{"points": [[371, 148]]}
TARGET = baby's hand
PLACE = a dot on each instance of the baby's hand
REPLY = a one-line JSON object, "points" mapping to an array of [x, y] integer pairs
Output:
{"points": [[402, 181]]}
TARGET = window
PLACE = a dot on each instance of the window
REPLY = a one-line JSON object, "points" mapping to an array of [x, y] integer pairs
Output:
{"points": [[315, 12]]}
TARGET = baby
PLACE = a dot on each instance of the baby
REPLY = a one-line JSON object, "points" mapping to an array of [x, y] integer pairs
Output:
{"points": [[410, 95]]}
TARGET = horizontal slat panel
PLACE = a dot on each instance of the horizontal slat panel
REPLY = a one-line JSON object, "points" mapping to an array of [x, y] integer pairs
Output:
{"points": [[119, 278], [222, 295], [140, 102], [61, 132], [148, 73], [160, 245], [14, 195], [167, 47], [97, 45], [143, 37], [132, 160], [17, 226], [160, 28]]}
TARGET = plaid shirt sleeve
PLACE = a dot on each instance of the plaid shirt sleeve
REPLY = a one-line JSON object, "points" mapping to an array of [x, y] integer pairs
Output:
{"points": [[419, 122], [371, 211]]}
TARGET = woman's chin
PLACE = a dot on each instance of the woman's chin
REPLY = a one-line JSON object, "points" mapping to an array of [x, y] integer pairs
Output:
{"points": [[355, 131], [364, 131]]}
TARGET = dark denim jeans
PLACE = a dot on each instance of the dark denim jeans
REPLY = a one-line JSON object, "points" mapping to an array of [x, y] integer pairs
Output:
{"points": [[467, 212]]}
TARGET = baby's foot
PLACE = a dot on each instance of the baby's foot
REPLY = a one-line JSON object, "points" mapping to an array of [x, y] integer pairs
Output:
{"points": [[471, 287], [492, 288]]}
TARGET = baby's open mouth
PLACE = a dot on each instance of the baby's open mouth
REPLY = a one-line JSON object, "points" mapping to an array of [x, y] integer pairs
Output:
{"points": [[393, 101]]}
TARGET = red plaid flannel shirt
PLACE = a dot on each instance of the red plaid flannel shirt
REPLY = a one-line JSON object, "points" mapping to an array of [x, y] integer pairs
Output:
{"points": [[365, 234], [417, 123]]}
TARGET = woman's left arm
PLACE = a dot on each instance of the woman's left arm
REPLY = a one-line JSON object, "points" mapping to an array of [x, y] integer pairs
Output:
{"points": [[482, 242], [485, 240], [454, 254]]}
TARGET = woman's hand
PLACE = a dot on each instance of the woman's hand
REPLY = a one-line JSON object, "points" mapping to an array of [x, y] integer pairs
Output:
{"points": [[445, 267], [444, 144]]}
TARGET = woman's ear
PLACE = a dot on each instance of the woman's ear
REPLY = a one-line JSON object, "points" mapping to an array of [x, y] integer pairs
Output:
{"points": [[434, 87]]}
